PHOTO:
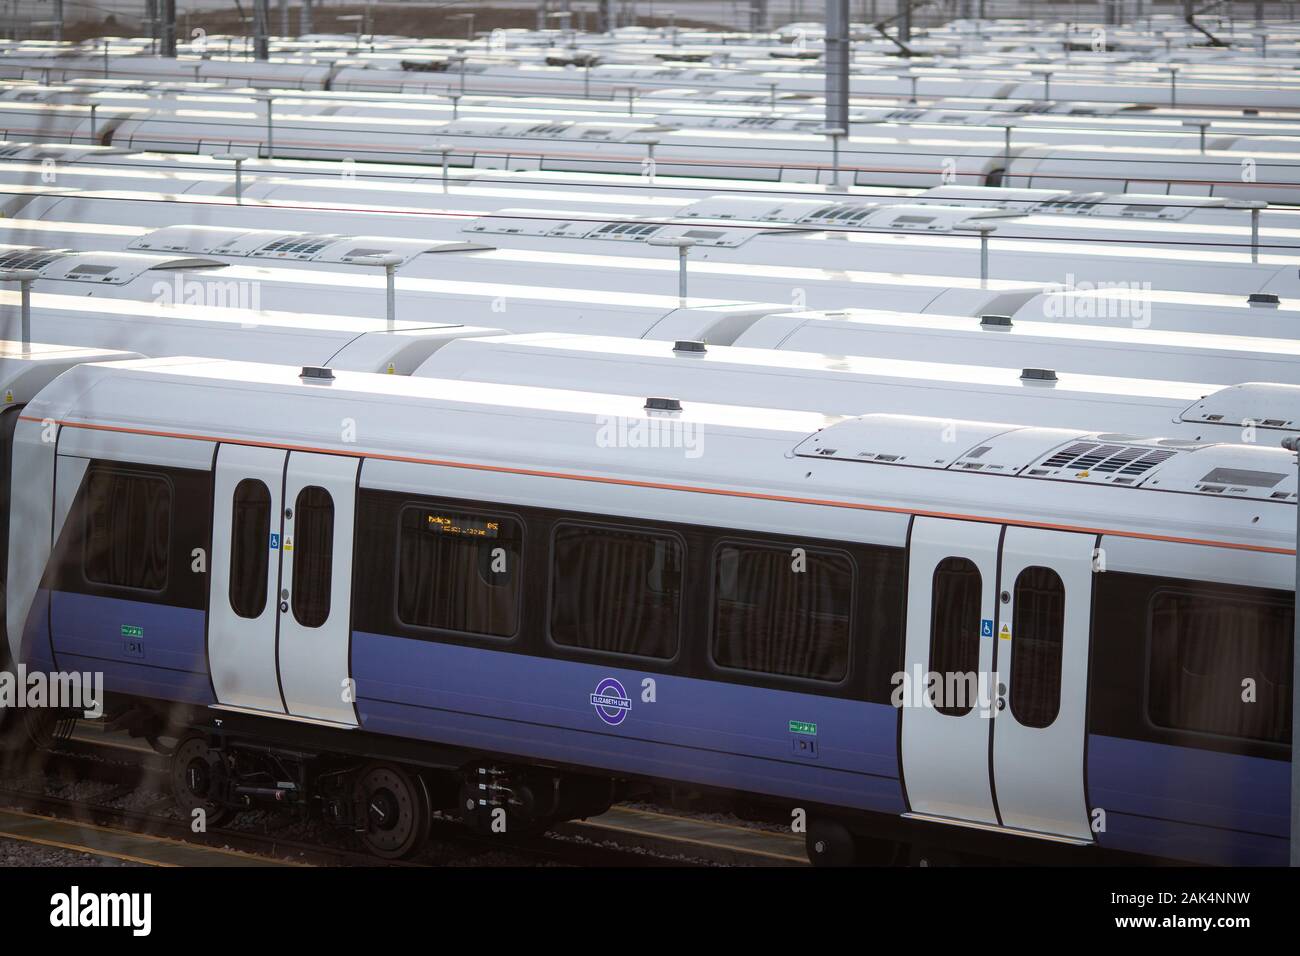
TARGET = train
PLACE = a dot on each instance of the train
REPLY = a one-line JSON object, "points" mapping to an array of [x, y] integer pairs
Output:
{"points": [[394, 620], [685, 445]]}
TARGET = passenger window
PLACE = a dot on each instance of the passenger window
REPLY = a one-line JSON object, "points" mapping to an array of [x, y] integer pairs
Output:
{"points": [[313, 555], [1203, 647], [769, 617], [616, 591], [127, 530], [1037, 635], [955, 635], [459, 572], [250, 544]]}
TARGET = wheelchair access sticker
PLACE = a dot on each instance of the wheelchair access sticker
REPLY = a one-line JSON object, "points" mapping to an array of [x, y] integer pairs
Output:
{"points": [[986, 627]]}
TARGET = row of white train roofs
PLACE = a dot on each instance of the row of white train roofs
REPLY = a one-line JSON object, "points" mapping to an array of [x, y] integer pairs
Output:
{"points": [[1157, 325], [1244, 157], [748, 244]]}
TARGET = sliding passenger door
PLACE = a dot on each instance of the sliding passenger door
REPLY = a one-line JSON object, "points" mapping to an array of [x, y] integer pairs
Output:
{"points": [[1042, 660], [243, 611], [320, 493], [280, 605], [998, 622], [952, 594]]}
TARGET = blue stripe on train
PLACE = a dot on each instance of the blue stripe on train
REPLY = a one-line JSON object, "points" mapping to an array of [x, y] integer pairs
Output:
{"points": [[167, 659], [34, 648], [1190, 804], [723, 735]]}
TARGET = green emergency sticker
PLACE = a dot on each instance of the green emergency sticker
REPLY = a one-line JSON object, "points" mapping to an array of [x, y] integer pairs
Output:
{"points": [[132, 630], [803, 727]]}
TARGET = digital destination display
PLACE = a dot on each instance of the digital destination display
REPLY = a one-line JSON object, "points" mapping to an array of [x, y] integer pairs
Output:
{"points": [[461, 525]]}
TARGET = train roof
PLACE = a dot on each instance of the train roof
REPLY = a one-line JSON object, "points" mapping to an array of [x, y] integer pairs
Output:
{"points": [[25, 370], [518, 441], [999, 340], [171, 325], [855, 384]]}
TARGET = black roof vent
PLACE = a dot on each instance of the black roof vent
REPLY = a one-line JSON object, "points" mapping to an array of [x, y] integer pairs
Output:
{"points": [[689, 345], [995, 321], [1263, 298], [663, 404], [1038, 374], [316, 373]]}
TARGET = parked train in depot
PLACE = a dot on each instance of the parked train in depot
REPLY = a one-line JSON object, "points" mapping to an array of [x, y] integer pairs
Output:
{"points": [[556, 595]]}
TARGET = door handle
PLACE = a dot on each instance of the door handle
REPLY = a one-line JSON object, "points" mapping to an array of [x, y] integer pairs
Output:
{"points": [[284, 607]]}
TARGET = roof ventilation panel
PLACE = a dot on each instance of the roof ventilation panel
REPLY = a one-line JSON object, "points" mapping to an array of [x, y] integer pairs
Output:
{"points": [[1258, 404], [511, 225], [839, 214], [1255, 472], [1107, 459], [901, 440], [300, 246], [204, 240], [746, 209], [13, 258], [119, 268]]}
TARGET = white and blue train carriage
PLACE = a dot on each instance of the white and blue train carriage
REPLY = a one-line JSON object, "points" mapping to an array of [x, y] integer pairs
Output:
{"points": [[415, 585]]}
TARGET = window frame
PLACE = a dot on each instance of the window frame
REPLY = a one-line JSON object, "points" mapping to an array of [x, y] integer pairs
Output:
{"points": [[1148, 648], [421, 504], [93, 471], [708, 625], [680, 645]]}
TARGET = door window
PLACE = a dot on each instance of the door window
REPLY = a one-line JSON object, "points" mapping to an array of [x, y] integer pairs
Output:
{"points": [[1038, 633], [955, 635], [250, 530], [313, 555]]}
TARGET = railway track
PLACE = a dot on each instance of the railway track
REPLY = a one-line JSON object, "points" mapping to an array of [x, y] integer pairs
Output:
{"points": [[621, 838]]}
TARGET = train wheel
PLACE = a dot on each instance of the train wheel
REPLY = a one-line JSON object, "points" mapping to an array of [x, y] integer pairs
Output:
{"points": [[830, 843], [193, 778], [395, 811]]}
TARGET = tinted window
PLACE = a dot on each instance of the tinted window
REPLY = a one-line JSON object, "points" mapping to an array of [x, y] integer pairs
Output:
{"points": [[127, 530], [779, 613], [617, 591], [313, 555], [1208, 652], [955, 635], [250, 543], [459, 571], [1037, 633]]}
